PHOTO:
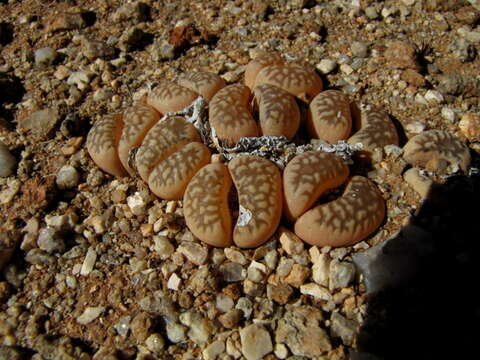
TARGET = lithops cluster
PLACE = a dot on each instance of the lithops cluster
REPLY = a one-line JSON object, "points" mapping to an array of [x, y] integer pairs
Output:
{"points": [[166, 154], [258, 185], [242, 202], [437, 151], [341, 222]]}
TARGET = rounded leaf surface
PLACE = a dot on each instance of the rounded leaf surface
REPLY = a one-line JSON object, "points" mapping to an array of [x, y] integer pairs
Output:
{"points": [[102, 143], [262, 61], [205, 205], [377, 130], [278, 112], [347, 220], [298, 81], [307, 177], [137, 119], [169, 179], [430, 148], [329, 116], [170, 97], [206, 84], [230, 115], [259, 186], [164, 138]]}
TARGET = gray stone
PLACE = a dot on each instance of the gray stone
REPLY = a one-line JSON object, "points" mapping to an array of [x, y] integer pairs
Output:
{"points": [[344, 328], [200, 328], [7, 161], [194, 252], [123, 326], [93, 49], [81, 79], [245, 304], [213, 350], [371, 13], [341, 274], [155, 343], [232, 272], [162, 51], [326, 66], [67, 177], [256, 342], [359, 49], [45, 56], [176, 332], [49, 240], [300, 329], [90, 314]]}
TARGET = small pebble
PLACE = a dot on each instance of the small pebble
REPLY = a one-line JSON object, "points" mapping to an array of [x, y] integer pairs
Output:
{"points": [[416, 127], [67, 177], [469, 126], [50, 241], [45, 56], [448, 114], [359, 49], [8, 163], [90, 314], [371, 13], [155, 343], [326, 66], [256, 342], [213, 350], [88, 262], [341, 274], [81, 79], [434, 96]]}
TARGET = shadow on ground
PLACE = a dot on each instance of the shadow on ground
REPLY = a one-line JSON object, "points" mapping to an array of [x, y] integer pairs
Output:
{"points": [[427, 307]]}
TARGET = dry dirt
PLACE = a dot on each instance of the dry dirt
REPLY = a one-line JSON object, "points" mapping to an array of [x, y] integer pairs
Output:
{"points": [[416, 59]]}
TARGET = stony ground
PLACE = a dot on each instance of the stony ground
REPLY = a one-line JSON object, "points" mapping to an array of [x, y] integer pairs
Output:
{"points": [[101, 268]]}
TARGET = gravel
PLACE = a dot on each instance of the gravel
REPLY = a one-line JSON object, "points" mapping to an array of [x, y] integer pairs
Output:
{"points": [[106, 268]]}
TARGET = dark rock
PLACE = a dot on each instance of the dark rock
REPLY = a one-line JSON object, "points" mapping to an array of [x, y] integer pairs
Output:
{"points": [[135, 39], [6, 33], [93, 49], [65, 21]]}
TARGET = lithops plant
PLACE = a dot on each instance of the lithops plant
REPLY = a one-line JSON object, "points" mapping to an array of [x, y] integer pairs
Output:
{"points": [[230, 115], [299, 81], [207, 213], [437, 150], [278, 113], [241, 202], [347, 220], [256, 65], [376, 130], [166, 153], [205, 84], [102, 144], [307, 177], [258, 184], [137, 119], [329, 116]]}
